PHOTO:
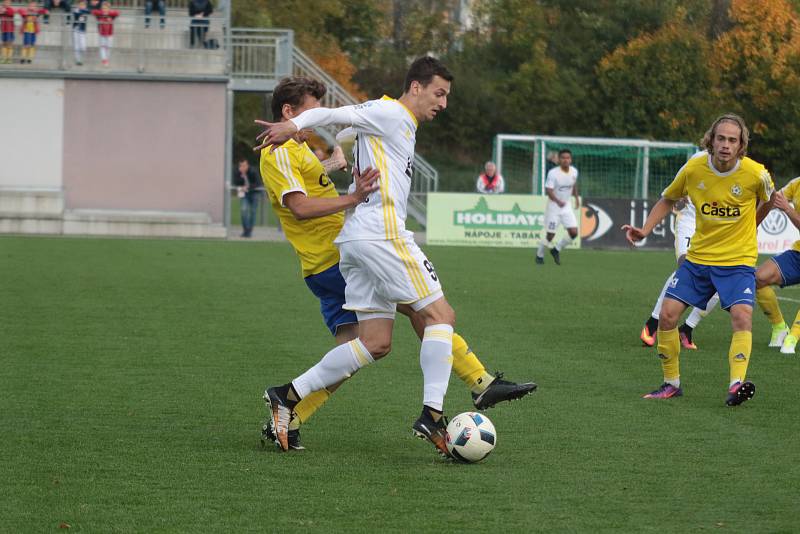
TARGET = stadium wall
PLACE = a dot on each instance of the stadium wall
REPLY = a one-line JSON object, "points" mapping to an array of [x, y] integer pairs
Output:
{"points": [[113, 157]]}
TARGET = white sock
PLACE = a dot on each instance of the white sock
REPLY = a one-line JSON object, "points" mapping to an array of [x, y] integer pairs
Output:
{"points": [[697, 315], [436, 361], [657, 308], [542, 246], [340, 363], [675, 382], [563, 243]]}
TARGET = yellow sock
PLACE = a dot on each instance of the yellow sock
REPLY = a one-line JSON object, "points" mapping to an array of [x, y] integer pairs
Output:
{"points": [[796, 326], [669, 350], [308, 405], [468, 367], [768, 301], [31, 53], [739, 354]]}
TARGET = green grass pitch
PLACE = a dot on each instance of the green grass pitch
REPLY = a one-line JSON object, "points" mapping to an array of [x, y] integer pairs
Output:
{"points": [[132, 373]]}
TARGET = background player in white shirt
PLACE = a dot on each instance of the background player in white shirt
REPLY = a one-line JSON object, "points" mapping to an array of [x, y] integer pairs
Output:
{"points": [[685, 225], [379, 259], [561, 184]]}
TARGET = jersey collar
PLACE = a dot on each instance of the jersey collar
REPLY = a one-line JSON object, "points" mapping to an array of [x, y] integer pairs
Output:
{"points": [[413, 118], [723, 174]]}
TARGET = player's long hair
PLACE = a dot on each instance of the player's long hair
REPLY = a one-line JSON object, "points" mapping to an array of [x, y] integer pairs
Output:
{"points": [[744, 135], [292, 91]]}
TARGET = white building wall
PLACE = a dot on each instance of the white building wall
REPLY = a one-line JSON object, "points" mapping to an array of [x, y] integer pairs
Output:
{"points": [[31, 133]]}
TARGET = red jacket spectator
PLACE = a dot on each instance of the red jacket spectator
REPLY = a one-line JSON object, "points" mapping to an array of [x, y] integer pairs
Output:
{"points": [[105, 21], [7, 19], [30, 19]]}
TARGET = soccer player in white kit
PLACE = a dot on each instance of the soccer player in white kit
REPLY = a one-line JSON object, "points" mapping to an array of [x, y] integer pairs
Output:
{"points": [[380, 261], [684, 230], [561, 184]]}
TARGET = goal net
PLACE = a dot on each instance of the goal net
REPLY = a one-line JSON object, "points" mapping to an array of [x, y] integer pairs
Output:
{"points": [[608, 168]]}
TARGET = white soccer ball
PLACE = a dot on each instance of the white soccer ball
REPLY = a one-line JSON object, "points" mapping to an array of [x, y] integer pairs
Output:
{"points": [[470, 437]]}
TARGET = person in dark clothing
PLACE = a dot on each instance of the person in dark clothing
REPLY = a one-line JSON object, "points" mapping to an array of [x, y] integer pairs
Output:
{"points": [[54, 6], [249, 188], [199, 10], [161, 5]]}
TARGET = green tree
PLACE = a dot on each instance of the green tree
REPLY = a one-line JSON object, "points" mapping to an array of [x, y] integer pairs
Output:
{"points": [[657, 85]]}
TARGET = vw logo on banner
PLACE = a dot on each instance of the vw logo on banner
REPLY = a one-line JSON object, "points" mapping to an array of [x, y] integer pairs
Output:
{"points": [[775, 222]]}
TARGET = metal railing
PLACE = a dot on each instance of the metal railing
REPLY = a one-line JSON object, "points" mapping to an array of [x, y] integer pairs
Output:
{"points": [[134, 50], [261, 54]]}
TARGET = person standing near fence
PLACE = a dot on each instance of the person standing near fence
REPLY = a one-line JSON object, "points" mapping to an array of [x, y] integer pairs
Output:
{"points": [[7, 30], [249, 188], [29, 30], [105, 27], [162, 10], [79, 17], [491, 181], [199, 10]]}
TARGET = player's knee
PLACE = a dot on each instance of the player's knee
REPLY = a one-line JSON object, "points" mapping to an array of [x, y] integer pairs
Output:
{"points": [[764, 278], [378, 347], [442, 315], [667, 319], [742, 317]]}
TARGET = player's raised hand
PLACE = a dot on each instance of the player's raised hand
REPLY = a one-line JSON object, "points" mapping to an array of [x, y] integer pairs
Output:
{"points": [[633, 234], [275, 134], [366, 182]]}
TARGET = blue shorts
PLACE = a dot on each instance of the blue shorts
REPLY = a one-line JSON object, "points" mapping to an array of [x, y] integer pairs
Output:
{"points": [[328, 286], [695, 284], [8, 37], [789, 265], [28, 39]]}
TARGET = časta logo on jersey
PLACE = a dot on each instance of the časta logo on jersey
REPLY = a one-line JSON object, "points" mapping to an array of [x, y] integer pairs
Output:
{"points": [[716, 210]]}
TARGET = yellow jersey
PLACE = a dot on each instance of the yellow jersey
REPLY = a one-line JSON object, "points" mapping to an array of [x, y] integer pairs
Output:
{"points": [[725, 204], [293, 167], [792, 193]]}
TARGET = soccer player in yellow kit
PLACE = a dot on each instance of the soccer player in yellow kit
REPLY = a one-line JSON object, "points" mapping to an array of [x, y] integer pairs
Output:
{"points": [[783, 270], [725, 187], [310, 211]]}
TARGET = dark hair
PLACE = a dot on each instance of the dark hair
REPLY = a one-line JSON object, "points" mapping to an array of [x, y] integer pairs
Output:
{"points": [[423, 70], [292, 91], [565, 151], [244, 160], [744, 134]]}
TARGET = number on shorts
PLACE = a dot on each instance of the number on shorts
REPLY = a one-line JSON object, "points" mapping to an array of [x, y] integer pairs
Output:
{"points": [[428, 265]]}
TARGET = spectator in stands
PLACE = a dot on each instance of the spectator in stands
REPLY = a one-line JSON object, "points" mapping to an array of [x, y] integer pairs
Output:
{"points": [[7, 30], [53, 6], [490, 182], [199, 10], [80, 15], [105, 29], [249, 188], [95, 4], [29, 29], [162, 10]]}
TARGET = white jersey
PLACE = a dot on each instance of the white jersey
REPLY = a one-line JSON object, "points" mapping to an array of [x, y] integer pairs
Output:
{"points": [[561, 182], [385, 136], [684, 228]]}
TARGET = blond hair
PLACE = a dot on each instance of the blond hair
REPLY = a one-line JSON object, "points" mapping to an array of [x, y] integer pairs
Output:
{"points": [[744, 134]]}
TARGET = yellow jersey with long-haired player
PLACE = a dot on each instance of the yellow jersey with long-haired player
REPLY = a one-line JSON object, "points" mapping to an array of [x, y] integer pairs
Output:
{"points": [[290, 168], [792, 193], [725, 204]]}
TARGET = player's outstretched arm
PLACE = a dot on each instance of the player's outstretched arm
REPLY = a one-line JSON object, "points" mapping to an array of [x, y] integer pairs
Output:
{"points": [[656, 215], [304, 207]]}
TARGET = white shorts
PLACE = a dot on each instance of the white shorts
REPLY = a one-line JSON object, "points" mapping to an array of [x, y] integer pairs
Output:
{"points": [[382, 274], [684, 230], [555, 215]]}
